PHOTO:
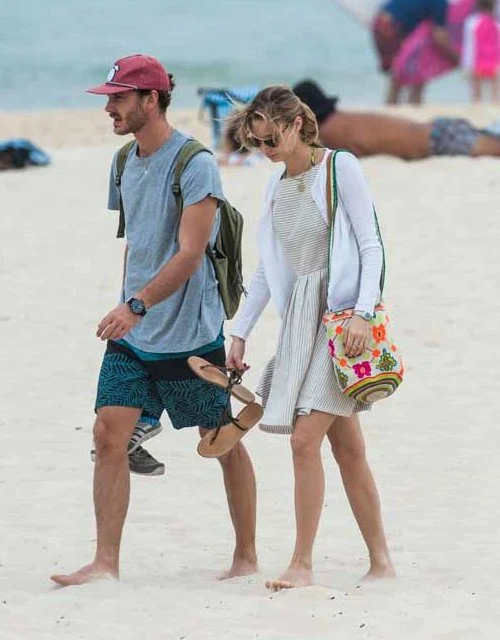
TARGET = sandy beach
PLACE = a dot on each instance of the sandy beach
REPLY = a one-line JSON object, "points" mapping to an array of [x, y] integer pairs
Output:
{"points": [[433, 446]]}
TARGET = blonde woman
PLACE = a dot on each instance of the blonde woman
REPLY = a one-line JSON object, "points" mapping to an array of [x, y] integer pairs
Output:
{"points": [[298, 387]]}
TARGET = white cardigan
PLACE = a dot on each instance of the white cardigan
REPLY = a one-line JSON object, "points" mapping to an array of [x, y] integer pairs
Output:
{"points": [[357, 255]]}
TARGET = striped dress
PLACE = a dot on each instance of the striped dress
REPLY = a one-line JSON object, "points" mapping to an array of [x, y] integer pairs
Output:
{"points": [[300, 377]]}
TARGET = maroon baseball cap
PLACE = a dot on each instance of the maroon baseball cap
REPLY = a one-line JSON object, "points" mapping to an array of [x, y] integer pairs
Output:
{"points": [[134, 72]]}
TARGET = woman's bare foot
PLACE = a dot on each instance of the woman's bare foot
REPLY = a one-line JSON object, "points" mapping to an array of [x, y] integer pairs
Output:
{"points": [[240, 568], [94, 571], [381, 571], [292, 578]]}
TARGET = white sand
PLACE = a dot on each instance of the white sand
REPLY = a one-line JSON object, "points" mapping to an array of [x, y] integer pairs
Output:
{"points": [[434, 446]]}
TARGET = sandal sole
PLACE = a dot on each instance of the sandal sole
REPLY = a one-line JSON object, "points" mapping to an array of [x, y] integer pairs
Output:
{"points": [[214, 445], [209, 373]]}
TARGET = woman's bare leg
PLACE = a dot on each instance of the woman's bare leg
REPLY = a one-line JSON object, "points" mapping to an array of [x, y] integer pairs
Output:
{"points": [[475, 84], [306, 441], [494, 90], [348, 446]]}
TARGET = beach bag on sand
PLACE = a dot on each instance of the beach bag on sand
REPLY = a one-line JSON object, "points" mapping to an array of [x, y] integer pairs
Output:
{"points": [[18, 153], [378, 371], [226, 254]]}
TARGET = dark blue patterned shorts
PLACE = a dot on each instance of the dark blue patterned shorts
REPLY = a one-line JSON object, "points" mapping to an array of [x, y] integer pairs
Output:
{"points": [[166, 385], [453, 137]]}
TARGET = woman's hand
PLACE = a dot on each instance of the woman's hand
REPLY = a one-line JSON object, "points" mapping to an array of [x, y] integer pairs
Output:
{"points": [[234, 359], [356, 336]]}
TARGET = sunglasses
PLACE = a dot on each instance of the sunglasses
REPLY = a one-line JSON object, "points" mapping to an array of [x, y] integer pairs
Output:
{"points": [[257, 142]]}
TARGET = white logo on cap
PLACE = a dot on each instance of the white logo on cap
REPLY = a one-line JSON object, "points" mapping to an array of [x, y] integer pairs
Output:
{"points": [[112, 73]]}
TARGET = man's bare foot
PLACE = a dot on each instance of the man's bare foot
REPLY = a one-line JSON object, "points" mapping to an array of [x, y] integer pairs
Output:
{"points": [[89, 573], [240, 568], [291, 579], [381, 571]]}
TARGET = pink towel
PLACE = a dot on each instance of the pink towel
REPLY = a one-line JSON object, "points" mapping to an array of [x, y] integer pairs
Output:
{"points": [[420, 59]]}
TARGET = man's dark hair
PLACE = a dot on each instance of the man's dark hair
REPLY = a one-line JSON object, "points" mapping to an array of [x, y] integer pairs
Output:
{"points": [[485, 5], [164, 97]]}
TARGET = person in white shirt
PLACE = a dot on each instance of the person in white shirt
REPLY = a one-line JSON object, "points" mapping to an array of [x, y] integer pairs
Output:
{"points": [[299, 390]]}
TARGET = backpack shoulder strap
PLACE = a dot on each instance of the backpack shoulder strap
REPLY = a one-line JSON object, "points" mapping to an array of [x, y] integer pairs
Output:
{"points": [[190, 149], [121, 161]]}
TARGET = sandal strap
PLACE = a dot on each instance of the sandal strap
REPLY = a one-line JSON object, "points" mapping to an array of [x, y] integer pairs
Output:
{"points": [[233, 421], [234, 376], [237, 424], [216, 433]]}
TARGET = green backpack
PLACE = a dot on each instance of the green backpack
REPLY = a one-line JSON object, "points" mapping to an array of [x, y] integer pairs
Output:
{"points": [[225, 256]]}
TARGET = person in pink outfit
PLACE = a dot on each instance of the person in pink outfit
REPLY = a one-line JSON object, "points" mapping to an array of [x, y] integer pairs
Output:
{"points": [[481, 51]]}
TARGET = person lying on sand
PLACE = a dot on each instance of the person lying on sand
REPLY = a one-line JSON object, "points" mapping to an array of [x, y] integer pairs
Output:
{"points": [[368, 134]]}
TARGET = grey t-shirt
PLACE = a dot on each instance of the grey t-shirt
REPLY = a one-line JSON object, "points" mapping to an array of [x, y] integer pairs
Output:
{"points": [[193, 315]]}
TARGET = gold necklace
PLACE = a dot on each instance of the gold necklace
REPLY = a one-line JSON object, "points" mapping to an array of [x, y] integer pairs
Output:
{"points": [[301, 187]]}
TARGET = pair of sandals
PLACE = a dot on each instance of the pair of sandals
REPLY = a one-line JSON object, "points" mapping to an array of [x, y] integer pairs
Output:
{"points": [[222, 439]]}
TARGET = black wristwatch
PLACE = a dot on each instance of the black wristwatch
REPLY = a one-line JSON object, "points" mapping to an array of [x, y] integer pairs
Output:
{"points": [[137, 306]]}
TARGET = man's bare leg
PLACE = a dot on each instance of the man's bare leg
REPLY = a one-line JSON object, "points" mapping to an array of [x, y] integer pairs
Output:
{"points": [[486, 146], [112, 430], [394, 91], [241, 492], [416, 94], [306, 441], [348, 446]]}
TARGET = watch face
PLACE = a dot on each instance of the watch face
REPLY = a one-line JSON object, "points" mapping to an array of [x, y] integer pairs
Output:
{"points": [[136, 306]]}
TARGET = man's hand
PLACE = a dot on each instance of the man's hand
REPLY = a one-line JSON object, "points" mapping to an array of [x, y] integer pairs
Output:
{"points": [[117, 323], [443, 41]]}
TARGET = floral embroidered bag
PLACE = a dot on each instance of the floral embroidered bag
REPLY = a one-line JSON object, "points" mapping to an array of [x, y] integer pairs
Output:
{"points": [[378, 371]]}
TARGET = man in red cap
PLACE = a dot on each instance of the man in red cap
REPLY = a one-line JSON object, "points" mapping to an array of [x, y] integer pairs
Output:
{"points": [[170, 309]]}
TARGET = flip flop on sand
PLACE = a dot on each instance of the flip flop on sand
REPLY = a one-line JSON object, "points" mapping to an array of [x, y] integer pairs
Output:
{"points": [[219, 441], [217, 375]]}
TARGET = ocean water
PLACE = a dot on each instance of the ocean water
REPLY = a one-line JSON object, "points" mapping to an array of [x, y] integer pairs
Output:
{"points": [[52, 50]]}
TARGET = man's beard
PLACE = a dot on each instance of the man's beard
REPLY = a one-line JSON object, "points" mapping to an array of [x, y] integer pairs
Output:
{"points": [[133, 122]]}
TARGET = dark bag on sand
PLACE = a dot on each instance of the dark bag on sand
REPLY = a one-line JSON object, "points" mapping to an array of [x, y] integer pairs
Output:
{"points": [[225, 255], [19, 153]]}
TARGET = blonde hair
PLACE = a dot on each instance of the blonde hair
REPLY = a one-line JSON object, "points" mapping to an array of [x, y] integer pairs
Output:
{"points": [[275, 105], [230, 134]]}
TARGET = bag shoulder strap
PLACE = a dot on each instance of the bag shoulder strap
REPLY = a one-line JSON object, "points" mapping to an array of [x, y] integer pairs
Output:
{"points": [[332, 201], [332, 198], [121, 161], [190, 149]]}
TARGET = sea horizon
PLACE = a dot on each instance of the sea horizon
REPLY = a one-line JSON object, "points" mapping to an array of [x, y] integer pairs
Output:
{"points": [[50, 53]]}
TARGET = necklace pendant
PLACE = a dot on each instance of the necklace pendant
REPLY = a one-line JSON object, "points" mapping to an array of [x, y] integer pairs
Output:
{"points": [[301, 187]]}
